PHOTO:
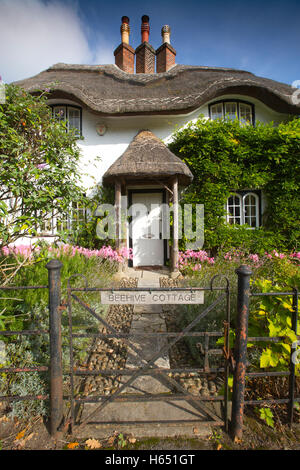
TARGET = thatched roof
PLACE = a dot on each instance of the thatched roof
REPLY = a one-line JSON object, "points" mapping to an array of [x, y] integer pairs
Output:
{"points": [[147, 158], [108, 90]]}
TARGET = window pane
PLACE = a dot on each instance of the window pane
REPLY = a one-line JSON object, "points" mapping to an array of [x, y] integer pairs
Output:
{"points": [[60, 113], [78, 216], [74, 118], [245, 113], [234, 210], [251, 210], [46, 226], [216, 111], [231, 111]]}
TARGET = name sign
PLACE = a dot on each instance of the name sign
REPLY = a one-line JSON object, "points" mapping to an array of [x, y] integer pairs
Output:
{"points": [[155, 297]]}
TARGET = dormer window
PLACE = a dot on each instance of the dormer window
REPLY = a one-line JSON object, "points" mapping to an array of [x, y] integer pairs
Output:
{"points": [[232, 109], [69, 113]]}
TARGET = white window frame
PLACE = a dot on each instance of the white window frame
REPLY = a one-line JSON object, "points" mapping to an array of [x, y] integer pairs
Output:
{"points": [[239, 205], [248, 105], [67, 108], [73, 220], [242, 206], [238, 104]]}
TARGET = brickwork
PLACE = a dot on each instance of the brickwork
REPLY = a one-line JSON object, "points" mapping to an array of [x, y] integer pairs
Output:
{"points": [[145, 58], [124, 57], [165, 58]]}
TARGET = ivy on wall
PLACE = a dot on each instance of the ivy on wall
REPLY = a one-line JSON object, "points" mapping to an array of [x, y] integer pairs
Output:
{"points": [[225, 156]]}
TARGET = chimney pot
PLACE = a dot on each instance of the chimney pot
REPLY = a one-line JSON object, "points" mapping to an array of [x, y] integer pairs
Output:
{"points": [[145, 28], [125, 30], [124, 53], [165, 33]]}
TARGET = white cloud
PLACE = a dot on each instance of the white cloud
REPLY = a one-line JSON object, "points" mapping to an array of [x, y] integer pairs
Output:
{"points": [[35, 35]]}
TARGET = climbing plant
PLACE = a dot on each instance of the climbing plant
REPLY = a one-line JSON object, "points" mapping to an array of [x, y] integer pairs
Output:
{"points": [[225, 156]]}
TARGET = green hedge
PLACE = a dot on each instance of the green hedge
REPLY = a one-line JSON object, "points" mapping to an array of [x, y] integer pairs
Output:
{"points": [[224, 157]]}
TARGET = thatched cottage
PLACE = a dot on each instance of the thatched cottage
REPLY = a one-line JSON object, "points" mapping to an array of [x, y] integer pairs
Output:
{"points": [[127, 112]]}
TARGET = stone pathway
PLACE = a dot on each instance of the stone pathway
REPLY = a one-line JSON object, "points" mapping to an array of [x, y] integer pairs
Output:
{"points": [[147, 319]]}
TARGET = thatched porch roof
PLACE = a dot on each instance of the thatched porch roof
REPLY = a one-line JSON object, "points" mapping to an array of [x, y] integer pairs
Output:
{"points": [[148, 158]]}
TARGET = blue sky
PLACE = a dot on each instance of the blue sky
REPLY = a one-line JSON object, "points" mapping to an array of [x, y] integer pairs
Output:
{"points": [[262, 37]]}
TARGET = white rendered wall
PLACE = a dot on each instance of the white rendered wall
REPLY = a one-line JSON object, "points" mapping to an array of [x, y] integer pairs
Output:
{"points": [[99, 152]]}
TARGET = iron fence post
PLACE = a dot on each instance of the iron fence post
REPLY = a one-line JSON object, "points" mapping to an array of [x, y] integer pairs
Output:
{"points": [[56, 380], [240, 351], [292, 378]]}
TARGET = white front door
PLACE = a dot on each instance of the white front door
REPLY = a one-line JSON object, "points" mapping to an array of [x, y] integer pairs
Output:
{"points": [[147, 245]]}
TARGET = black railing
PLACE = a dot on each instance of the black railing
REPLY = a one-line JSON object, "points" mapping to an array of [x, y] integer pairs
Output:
{"points": [[240, 354], [237, 362], [55, 366]]}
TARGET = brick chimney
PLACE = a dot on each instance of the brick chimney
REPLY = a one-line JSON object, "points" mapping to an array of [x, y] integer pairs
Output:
{"points": [[145, 54], [124, 53], [165, 54]]}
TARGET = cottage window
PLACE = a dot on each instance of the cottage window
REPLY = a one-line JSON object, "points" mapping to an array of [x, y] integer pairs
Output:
{"points": [[70, 114], [232, 109], [53, 222], [245, 113], [244, 208], [75, 218]]}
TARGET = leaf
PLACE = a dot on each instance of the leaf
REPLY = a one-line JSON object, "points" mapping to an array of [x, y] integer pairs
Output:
{"points": [[4, 419], [132, 440], [267, 415], [22, 442], [72, 445], [111, 440], [268, 358], [237, 440], [93, 444], [20, 435]]}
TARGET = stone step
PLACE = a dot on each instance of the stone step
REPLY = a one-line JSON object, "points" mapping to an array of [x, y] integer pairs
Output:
{"points": [[147, 419]]}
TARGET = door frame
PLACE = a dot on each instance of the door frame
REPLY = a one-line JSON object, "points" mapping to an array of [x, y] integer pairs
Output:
{"points": [[164, 199]]}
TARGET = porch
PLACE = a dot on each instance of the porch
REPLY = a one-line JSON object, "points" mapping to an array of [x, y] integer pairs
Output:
{"points": [[147, 179]]}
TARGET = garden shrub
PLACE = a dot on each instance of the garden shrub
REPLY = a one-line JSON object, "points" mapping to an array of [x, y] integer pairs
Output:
{"points": [[271, 272], [28, 309], [225, 156]]}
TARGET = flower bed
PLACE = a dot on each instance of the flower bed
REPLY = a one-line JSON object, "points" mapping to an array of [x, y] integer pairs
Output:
{"points": [[191, 260], [105, 252]]}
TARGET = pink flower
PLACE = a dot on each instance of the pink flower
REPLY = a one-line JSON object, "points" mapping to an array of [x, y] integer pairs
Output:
{"points": [[254, 258]]}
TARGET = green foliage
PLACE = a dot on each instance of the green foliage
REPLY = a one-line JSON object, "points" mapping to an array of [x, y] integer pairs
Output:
{"points": [[86, 236], [38, 165], [15, 309], [266, 415], [34, 351], [224, 157], [272, 317], [269, 315]]}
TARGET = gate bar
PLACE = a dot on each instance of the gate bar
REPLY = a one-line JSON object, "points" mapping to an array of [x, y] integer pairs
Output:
{"points": [[240, 351], [56, 383], [292, 378]]}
